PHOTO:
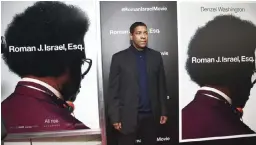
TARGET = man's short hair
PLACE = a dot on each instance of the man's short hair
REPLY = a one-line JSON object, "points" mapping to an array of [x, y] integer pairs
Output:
{"points": [[226, 36], [50, 23], [136, 24]]}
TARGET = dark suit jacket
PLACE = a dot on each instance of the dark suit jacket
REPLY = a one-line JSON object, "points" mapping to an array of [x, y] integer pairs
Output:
{"points": [[210, 117], [30, 110], [123, 91]]}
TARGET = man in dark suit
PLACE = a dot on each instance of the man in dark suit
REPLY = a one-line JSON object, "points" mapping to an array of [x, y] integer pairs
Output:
{"points": [[50, 77], [221, 61], [137, 90]]}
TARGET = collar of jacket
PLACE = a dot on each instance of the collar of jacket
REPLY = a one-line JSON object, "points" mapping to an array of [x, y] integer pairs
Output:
{"points": [[132, 48]]}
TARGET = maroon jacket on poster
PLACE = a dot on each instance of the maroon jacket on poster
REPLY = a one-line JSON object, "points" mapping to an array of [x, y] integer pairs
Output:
{"points": [[31, 110], [209, 117]]}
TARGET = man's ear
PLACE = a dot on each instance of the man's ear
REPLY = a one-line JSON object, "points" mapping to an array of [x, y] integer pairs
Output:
{"points": [[131, 37], [65, 76]]}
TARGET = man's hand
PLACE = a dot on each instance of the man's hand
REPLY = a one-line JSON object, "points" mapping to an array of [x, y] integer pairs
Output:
{"points": [[117, 126], [163, 119]]}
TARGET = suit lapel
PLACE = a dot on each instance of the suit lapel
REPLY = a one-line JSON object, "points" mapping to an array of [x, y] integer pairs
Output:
{"points": [[148, 62], [131, 59]]}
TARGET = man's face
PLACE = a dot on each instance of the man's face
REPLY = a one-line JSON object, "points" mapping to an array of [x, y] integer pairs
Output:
{"points": [[240, 93], [139, 37], [72, 87]]}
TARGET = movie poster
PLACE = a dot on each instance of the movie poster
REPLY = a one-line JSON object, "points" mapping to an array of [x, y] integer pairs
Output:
{"points": [[216, 71], [49, 70]]}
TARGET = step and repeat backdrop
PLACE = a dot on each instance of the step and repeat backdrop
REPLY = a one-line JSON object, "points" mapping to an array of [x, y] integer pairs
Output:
{"points": [[161, 20]]}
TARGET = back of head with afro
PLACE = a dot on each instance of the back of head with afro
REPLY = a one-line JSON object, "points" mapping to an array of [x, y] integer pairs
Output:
{"points": [[226, 36], [50, 23]]}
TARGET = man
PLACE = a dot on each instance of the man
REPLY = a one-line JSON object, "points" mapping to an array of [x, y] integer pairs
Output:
{"points": [[137, 90], [49, 77], [225, 47]]}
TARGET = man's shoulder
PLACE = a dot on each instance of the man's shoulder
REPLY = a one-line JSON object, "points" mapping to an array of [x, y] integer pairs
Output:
{"points": [[41, 113], [205, 113], [68, 121], [121, 52], [15, 101], [153, 51]]}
